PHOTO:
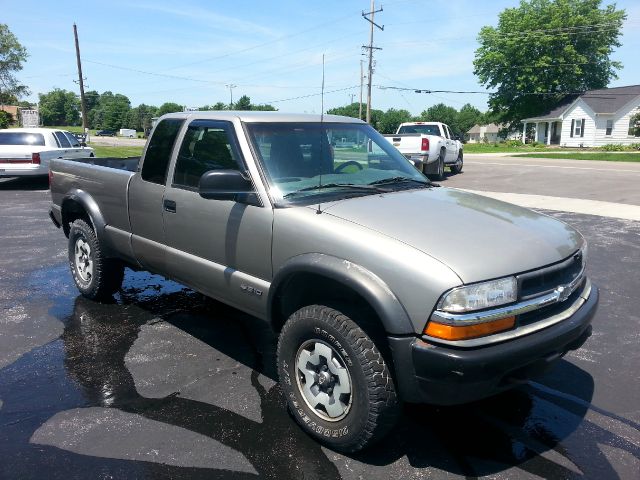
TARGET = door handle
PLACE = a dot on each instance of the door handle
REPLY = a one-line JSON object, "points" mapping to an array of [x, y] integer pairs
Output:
{"points": [[169, 206]]}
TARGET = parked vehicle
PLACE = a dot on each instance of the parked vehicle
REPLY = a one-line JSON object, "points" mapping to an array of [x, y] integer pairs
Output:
{"points": [[106, 133], [381, 287], [127, 132], [27, 151], [430, 146]]}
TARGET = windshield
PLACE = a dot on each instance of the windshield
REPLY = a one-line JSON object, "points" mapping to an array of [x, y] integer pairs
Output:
{"points": [[21, 138], [304, 161], [423, 129]]}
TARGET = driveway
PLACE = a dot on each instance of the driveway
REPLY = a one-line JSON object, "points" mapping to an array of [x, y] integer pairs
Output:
{"points": [[162, 383]]}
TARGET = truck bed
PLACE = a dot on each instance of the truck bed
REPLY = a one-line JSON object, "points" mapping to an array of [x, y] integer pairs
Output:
{"points": [[130, 163]]}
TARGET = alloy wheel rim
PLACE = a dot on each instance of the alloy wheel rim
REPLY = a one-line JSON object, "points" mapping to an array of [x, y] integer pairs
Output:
{"points": [[83, 260], [323, 380]]}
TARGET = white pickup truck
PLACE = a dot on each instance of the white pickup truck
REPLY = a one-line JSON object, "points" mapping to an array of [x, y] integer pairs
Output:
{"points": [[430, 146], [27, 151]]}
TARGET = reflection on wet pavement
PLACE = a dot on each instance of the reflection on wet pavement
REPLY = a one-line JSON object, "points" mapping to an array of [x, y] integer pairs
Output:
{"points": [[161, 383]]}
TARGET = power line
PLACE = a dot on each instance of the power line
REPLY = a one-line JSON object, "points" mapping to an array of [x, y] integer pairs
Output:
{"points": [[313, 94]]}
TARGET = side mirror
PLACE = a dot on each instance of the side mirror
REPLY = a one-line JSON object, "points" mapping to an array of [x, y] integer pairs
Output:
{"points": [[223, 185], [83, 144]]}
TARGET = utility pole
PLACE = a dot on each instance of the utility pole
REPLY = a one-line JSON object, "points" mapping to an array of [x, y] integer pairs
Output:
{"points": [[371, 48], [351, 95], [361, 81], [231, 86], [83, 102]]}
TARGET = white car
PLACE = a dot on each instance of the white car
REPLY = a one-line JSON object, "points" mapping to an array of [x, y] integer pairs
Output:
{"points": [[27, 151]]}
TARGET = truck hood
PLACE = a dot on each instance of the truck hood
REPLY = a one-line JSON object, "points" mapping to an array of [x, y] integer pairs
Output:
{"points": [[479, 238]]}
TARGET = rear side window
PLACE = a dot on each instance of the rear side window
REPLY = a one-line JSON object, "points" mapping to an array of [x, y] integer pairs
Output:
{"points": [[156, 159], [21, 138], [72, 139], [62, 140], [207, 145]]}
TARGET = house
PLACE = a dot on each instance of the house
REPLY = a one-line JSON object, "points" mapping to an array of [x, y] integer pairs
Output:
{"points": [[488, 133], [591, 119], [12, 110]]}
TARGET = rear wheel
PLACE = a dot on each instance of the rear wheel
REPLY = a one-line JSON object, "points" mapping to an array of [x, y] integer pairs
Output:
{"points": [[335, 380], [95, 276], [457, 167], [439, 175]]}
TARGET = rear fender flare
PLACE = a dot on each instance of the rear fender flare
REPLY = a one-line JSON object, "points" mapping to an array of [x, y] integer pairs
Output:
{"points": [[90, 206]]}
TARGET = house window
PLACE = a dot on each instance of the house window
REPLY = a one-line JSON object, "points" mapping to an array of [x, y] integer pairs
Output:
{"points": [[609, 128], [634, 127], [578, 128]]}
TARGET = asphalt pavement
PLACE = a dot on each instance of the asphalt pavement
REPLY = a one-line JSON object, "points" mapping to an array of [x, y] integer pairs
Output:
{"points": [[162, 383]]}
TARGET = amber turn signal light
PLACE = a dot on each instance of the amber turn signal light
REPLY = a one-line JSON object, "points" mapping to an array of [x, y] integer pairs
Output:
{"points": [[465, 332]]}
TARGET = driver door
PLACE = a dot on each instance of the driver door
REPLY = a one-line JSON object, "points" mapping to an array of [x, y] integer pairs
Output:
{"points": [[219, 247]]}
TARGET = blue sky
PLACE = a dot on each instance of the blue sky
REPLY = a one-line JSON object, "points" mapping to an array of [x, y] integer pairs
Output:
{"points": [[187, 51]]}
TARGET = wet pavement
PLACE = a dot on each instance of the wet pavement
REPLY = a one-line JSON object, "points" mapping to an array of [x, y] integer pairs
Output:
{"points": [[162, 383]]}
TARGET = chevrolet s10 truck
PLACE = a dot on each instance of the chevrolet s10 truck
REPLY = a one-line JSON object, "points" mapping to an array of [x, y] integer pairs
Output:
{"points": [[381, 287]]}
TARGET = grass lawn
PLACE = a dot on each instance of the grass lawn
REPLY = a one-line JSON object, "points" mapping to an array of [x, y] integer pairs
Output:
{"points": [[491, 148], [605, 156], [119, 152]]}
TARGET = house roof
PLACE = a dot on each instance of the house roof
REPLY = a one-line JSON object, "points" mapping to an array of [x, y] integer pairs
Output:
{"points": [[604, 100], [489, 128]]}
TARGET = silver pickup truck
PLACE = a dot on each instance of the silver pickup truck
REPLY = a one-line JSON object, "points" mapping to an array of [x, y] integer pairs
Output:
{"points": [[381, 286]]}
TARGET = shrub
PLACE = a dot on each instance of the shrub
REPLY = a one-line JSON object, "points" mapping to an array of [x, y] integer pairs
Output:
{"points": [[513, 143], [6, 119], [613, 147]]}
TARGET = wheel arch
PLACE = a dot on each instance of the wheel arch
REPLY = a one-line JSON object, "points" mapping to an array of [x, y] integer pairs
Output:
{"points": [[302, 279], [79, 204]]}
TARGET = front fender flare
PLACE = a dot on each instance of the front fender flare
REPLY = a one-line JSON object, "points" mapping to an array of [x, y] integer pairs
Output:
{"points": [[368, 285]]}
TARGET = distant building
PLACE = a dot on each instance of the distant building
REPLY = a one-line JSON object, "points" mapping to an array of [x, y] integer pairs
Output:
{"points": [[594, 118], [488, 133]]}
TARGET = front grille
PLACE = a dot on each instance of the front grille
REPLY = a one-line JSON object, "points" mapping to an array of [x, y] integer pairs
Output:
{"points": [[550, 310], [545, 280]]}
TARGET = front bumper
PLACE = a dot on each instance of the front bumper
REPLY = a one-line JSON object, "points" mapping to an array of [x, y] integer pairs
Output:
{"points": [[443, 374]]}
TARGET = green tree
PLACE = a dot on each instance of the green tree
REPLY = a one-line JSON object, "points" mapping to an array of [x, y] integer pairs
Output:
{"points": [[243, 103], [111, 111], [544, 49], [440, 113], [467, 117], [6, 119], [59, 107], [348, 110], [169, 107], [219, 106], [139, 118], [391, 119], [12, 56]]}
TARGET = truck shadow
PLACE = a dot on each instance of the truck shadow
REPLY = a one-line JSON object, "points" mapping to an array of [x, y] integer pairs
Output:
{"points": [[24, 183], [524, 428]]}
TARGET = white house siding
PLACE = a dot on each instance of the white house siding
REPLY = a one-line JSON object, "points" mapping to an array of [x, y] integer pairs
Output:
{"points": [[577, 112], [620, 132]]}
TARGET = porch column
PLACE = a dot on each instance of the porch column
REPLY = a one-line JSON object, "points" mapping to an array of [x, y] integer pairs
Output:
{"points": [[549, 133], [524, 133], [535, 137]]}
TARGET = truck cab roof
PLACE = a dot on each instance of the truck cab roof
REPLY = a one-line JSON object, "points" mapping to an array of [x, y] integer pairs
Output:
{"points": [[261, 116]]}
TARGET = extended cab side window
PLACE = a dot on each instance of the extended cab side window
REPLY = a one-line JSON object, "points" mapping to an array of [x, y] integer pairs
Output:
{"points": [[207, 145], [158, 154]]}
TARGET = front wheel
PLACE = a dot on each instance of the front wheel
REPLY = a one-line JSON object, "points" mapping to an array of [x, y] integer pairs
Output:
{"points": [[335, 380], [95, 276]]}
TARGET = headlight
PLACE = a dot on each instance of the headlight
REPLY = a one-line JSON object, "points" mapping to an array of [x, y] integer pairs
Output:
{"points": [[584, 252], [480, 295]]}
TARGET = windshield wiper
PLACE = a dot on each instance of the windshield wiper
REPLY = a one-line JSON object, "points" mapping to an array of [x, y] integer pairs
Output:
{"points": [[346, 186], [391, 180]]}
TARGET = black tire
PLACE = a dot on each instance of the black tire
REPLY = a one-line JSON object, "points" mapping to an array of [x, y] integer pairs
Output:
{"points": [[96, 277], [372, 406], [457, 167], [439, 175]]}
